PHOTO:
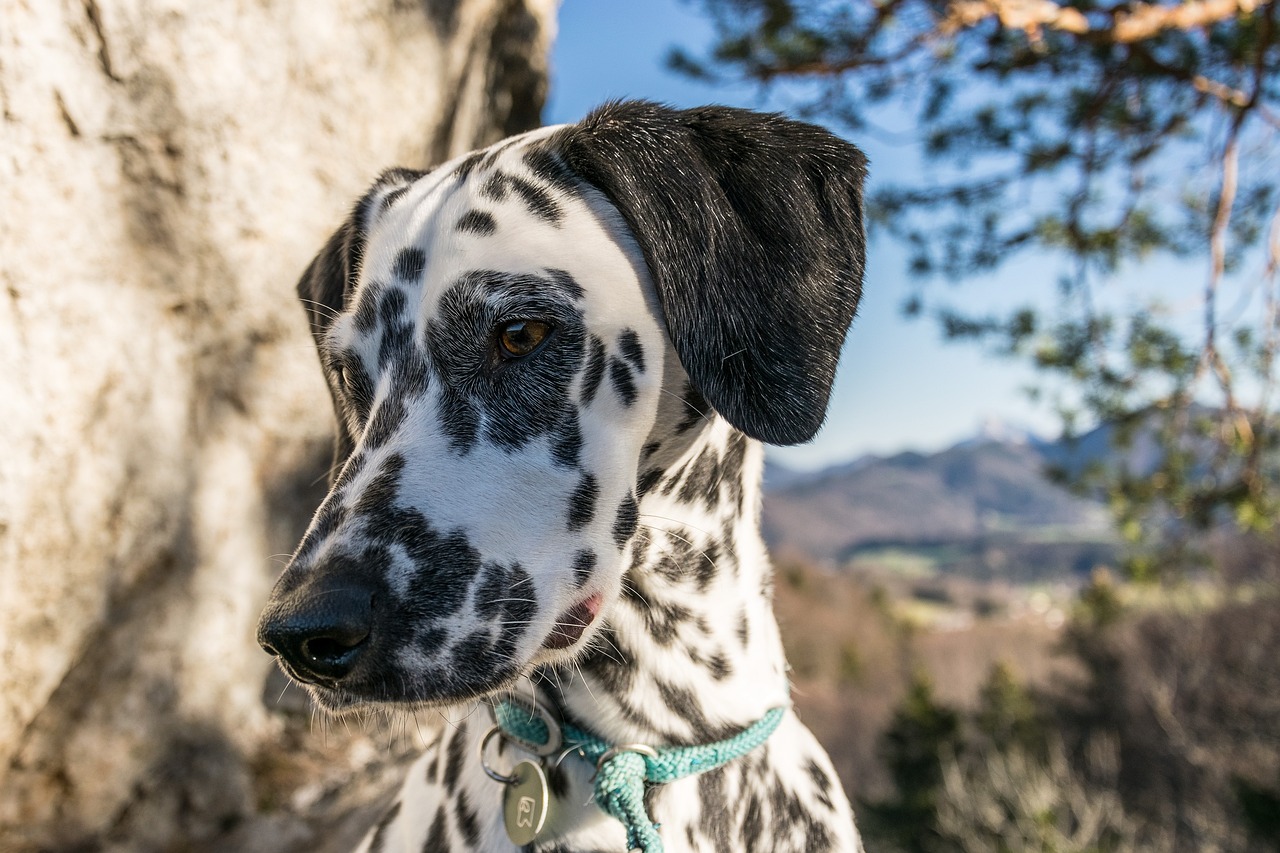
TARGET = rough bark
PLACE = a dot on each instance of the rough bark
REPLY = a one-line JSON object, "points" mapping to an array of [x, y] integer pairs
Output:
{"points": [[168, 170]]}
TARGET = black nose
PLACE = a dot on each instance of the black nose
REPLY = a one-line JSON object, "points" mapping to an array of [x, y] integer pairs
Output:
{"points": [[319, 630]]}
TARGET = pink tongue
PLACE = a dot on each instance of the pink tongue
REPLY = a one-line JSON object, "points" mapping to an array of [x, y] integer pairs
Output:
{"points": [[575, 620]]}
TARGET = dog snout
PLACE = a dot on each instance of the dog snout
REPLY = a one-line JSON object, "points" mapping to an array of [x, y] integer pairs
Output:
{"points": [[320, 631]]}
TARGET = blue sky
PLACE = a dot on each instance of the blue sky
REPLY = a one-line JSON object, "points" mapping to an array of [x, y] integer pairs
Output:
{"points": [[900, 387]]}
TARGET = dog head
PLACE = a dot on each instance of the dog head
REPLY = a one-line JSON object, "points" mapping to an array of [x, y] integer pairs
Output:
{"points": [[499, 336]]}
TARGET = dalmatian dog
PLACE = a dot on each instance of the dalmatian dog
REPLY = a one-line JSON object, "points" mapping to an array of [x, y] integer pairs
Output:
{"points": [[553, 363]]}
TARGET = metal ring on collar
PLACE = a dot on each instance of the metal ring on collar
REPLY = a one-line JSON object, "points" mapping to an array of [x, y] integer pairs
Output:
{"points": [[488, 771], [611, 752]]}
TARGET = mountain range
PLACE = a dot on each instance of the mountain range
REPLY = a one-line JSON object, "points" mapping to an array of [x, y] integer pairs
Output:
{"points": [[983, 507]]}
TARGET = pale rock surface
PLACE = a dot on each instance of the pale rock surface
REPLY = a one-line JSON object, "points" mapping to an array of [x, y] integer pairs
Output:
{"points": [[168, 170]]}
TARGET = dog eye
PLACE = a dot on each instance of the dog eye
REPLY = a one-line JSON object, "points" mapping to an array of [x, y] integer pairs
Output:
{"points": [[521, 337]]}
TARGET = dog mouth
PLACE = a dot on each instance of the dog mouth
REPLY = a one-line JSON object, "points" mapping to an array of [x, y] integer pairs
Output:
{"points": [[571, 624]]}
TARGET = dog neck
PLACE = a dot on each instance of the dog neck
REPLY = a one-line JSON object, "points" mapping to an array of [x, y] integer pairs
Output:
{"points": [[690, 653]]}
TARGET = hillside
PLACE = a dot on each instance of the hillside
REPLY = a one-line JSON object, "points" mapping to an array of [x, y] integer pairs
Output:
{"points": [[982, 507]]}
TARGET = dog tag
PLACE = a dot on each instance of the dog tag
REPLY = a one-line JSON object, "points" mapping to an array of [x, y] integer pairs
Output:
{"points": [[524, 803]]}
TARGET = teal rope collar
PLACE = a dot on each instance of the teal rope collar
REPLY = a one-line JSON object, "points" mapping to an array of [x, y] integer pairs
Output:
{"points": [[623, 770]]}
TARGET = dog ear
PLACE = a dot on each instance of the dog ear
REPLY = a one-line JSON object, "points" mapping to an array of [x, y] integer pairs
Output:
{"points": [[752, 228], [331, 278]]}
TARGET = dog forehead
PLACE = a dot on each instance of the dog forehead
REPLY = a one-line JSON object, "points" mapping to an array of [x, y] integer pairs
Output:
{"points": [[492, 211]]}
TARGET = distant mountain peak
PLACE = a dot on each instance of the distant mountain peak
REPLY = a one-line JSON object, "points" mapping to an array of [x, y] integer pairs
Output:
{"points": [[996, 430]]}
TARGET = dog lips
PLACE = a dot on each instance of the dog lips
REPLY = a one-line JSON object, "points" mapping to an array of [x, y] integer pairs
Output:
{"points": [[569, 627]]}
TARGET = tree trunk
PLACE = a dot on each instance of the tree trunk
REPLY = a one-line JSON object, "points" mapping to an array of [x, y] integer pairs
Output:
{"points": [[169, 169]]}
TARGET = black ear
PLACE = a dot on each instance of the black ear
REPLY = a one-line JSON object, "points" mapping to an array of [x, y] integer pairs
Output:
{"points": [[752, 228], [330, 279]]}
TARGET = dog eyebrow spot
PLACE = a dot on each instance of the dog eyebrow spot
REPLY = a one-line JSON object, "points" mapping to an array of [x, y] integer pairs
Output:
{"points": [[582, 503], [477, 222], [410, 264]]}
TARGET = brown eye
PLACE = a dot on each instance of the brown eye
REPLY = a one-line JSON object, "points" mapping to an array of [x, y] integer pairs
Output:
{"points": [[521, 337]]}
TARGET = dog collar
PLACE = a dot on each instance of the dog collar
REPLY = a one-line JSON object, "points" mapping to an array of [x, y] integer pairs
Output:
{"points": [[621, 769]]}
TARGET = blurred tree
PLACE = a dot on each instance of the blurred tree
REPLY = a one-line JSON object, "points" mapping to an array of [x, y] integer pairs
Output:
{"points": [[922, 731], [1094, 132]]}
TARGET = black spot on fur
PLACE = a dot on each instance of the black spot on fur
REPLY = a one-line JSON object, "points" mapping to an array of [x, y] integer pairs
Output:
{"points": [[595, 371], [685, 704], [433, 766], [495, 151], [647, 481], [719, 666], [566, 282], [410, 264], [567, 447], [366, 314], [467, 166], [455, 758], [537, 199], [753, 820], [438, 836], [716, 816], [632, 351], [459, 419], [468, 822], [584, 564], [381, 491], [444, 567], [397, 334], [623, 384], [409, 378], [389, 200], [744, 629], [380, 831], [649, 449], [495, 187], [330, 517], [477, 222], [547, 165], [611, 662], [662, 618], [582, 503], [703, 480], [624, 523], [821, 783], [520, 609], [490, 590], [696, 409], [388, 417], [707, 566]]}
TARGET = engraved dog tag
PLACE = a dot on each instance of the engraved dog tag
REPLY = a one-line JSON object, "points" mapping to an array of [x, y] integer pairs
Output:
{"points": [[524, 803]]}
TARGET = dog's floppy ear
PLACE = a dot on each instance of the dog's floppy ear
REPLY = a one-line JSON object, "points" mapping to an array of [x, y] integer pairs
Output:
{"points": [[752, 228], [330, 279]]}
